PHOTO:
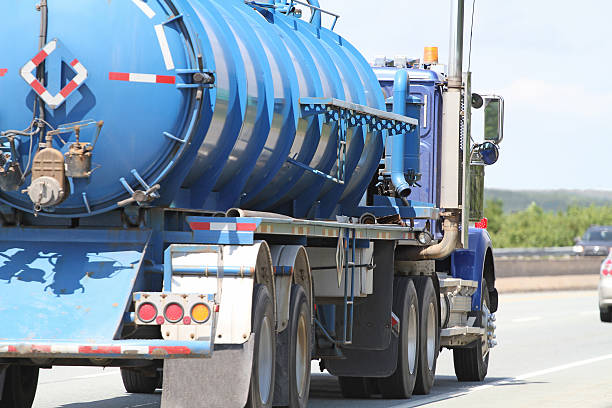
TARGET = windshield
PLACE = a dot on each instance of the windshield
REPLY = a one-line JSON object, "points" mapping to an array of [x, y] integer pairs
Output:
{"points": [[598, 235]]}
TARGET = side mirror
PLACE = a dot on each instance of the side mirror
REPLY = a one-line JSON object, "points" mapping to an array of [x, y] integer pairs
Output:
{"points": [[493, 118], [576, 240]]}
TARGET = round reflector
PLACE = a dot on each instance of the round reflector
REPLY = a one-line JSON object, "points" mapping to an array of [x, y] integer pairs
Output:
{"points": [[147, 312], [173, 312], [200, 313]]}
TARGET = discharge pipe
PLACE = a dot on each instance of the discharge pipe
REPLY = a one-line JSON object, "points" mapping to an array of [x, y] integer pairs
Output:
{"points": [[401, 87]]}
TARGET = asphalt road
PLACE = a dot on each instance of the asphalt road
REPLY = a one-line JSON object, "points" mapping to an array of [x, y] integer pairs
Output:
{"points": [[553, 352]]}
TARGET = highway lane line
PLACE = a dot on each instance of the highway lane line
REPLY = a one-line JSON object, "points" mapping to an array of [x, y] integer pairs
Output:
{"points": [[80, 377], [508, 381], [519, 298], [527, 319], [590, 312]]}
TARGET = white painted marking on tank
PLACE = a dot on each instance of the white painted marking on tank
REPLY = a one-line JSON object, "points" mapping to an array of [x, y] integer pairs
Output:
{"points": [[145, 8], [512, 380], [527, 319], [163, 44], [150, 78]]}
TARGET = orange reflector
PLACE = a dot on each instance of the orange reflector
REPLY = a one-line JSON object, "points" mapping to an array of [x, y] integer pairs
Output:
{"points": [[200, 313], [431, 55]]}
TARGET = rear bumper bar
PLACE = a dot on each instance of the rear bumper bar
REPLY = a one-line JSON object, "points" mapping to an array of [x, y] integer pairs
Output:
{"points": [[124, 349]]}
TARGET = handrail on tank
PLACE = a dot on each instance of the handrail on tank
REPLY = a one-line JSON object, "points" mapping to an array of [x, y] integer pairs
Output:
{"points": [[316, 11], [316, 14]]}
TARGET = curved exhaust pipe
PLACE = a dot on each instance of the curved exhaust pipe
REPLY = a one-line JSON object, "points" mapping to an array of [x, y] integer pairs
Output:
{"points": [[438, 251]]}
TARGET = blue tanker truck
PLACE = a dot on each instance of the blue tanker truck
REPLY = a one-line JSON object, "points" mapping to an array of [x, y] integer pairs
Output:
{"points": [[216, 192]]}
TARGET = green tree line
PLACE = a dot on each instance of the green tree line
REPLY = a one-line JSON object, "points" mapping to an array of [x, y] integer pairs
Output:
{"points": [[534, 227]]}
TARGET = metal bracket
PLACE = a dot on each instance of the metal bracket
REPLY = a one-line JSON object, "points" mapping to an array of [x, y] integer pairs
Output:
{"points": [[347, 115], [195, 78]]}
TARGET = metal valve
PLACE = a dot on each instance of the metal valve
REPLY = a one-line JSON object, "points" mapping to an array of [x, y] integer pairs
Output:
{"points": [[140, 196]]}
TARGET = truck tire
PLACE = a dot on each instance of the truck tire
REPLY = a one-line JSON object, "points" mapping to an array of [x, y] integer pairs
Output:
{"points": [[358, 387], [261, 389], [136, 382], [20, 385], [293, 354], [429, 335], [470, 363], [405, 305], [605, 315]]}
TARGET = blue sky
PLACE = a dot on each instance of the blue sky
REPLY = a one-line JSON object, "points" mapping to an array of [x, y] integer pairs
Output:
{"points": [[550, 61]]}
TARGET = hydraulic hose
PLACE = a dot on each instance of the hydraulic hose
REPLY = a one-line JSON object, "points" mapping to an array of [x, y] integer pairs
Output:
{"points": [[42, 41]]}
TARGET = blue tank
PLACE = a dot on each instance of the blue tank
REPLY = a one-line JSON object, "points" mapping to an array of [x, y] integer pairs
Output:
{"points": [[198, 97]]}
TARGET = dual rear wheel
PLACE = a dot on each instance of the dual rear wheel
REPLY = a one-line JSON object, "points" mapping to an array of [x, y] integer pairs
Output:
{"points": [[286, 381], [416, 306]]}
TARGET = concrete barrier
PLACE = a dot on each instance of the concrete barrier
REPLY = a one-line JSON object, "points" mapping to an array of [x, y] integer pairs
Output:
{"points": [[575, 265], [544, 274]]}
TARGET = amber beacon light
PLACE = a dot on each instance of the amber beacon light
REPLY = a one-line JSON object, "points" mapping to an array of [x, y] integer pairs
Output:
{"points": [[430, 55]]}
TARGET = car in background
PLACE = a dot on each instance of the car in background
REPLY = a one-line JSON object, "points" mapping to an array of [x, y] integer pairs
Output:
{"points": [[596, 241], [605, 289]]}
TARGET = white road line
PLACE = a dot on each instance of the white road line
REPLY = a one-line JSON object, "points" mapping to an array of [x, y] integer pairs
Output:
{"points": [[163, 44], [145, 8], [589, 313], [513, 379], [81, 377], [563, 367], [527, 319]]}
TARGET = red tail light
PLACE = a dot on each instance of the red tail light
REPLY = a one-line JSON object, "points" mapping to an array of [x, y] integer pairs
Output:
{"points": [[606, 267], [482, 224], [174, 312], [147, 312]]}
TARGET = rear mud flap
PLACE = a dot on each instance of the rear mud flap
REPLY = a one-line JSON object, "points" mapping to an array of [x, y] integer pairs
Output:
{"points": [[66, 289], [218, 382]]}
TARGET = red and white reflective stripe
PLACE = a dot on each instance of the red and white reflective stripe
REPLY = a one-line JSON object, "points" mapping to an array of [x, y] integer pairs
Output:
{"points": [[52, 101], [395, 323], [3, 71], [223, 226], [93, 349], [143, 78]]}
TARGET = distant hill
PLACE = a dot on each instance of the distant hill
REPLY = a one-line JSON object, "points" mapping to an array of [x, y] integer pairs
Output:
{"points": [[548, 200]]}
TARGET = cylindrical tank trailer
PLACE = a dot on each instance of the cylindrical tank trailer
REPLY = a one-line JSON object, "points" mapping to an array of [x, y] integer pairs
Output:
{"points": [[188, 103]]}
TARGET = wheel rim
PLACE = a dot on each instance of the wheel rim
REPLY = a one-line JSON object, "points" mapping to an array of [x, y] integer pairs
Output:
{"points": [[301, 356], [412, 338], [264, 360], [431, 335]]}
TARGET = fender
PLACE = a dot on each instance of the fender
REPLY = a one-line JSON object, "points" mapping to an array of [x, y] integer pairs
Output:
{"points": [[475, 262]]}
